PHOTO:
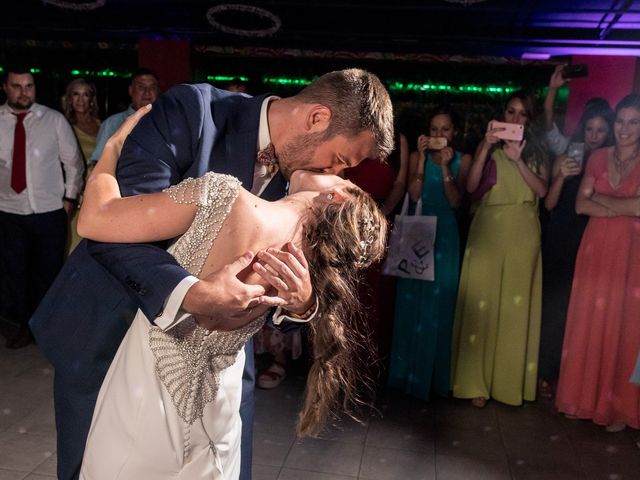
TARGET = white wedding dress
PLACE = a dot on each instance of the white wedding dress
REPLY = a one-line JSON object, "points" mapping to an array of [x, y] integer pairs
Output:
{"points": [[168, 407]]}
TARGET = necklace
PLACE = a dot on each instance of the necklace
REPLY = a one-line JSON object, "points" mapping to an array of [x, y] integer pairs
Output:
{"points": [[622, 164]]}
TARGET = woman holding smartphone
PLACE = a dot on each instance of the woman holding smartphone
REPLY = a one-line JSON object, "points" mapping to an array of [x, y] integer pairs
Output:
{"points": [[421, 349], [497, 323], [563, 233], [602, 337]]}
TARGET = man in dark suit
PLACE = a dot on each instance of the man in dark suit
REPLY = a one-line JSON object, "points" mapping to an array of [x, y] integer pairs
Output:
{"points": [[193, 129]]}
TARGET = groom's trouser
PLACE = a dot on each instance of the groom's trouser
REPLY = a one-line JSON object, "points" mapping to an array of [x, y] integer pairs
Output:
{"points": [[79, 326]]}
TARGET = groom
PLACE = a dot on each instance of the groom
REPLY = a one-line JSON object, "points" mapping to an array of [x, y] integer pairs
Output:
{"points": [[334, 123]]}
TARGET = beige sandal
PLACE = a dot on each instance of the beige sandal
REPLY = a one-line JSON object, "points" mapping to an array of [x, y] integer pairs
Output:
{"points": [[272, 376]]}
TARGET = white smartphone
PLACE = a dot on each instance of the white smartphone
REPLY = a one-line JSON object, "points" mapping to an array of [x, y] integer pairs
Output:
{"points": [[575, 150], [512, 131]]}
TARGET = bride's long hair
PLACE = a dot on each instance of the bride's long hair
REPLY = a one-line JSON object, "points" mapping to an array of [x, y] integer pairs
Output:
{"points": [[340, 239]]}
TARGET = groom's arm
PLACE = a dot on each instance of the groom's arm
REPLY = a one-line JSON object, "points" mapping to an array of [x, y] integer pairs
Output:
{"points": [[156, 155]]}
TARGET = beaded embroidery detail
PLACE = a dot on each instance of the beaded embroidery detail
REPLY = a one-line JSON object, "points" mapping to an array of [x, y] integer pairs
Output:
{"points": [[189, 358]]}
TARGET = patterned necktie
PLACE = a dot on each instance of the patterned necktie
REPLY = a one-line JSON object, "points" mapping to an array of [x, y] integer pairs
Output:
{"points": [[19, 167], [267, 156]]}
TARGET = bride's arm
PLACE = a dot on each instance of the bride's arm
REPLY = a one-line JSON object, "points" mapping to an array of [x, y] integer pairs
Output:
{"points": [[107, 217]]}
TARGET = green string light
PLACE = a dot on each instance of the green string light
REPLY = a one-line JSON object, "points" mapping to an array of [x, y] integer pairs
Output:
{"points": [[226, 78], [100, 73], [441, 87], [286, 81]]}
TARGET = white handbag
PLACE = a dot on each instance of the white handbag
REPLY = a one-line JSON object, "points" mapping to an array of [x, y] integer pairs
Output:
{"points": [[411, 244]]}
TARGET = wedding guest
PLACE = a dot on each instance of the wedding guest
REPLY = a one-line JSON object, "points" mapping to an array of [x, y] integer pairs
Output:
{"points": [[562, 236], [421, 350], [143, 90], [602, 337], [80, 107], [497, 322], [554, 138], [40, 181]]}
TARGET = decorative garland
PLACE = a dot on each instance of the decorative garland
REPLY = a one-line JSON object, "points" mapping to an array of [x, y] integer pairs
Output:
{"points": [[237, 7], [80, 5]]}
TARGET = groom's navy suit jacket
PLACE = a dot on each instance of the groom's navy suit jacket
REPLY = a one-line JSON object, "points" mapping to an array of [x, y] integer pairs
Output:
{"points": [[191, 129]]}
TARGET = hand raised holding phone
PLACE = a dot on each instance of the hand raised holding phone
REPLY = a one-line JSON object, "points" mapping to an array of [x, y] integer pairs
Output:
{"points": [[431, 143], [506, 131], [569, 167]]}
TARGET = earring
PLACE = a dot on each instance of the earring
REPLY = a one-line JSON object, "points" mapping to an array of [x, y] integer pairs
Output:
{"points": [[330, 196]]}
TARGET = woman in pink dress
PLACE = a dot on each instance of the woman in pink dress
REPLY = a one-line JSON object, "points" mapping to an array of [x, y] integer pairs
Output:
{"points": [[602, 337]]}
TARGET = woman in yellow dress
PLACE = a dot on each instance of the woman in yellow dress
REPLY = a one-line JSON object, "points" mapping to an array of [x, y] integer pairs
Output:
{"points": [[80, 107], [497, 324]]}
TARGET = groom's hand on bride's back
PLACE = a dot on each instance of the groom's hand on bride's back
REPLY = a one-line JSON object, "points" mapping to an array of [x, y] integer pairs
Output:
{"points": [[222, 302]]}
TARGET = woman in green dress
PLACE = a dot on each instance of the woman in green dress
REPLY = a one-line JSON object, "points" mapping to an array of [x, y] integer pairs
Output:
{"points": [[421, 350], [498, 314]]}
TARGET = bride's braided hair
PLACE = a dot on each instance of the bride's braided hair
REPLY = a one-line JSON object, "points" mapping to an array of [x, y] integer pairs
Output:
{"points": [[340, 238]]}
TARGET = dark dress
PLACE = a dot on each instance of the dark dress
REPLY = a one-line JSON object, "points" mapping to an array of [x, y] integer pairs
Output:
{"points": [[561, 241]]}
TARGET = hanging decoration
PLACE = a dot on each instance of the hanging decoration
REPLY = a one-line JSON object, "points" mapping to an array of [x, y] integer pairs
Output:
{"points": [[466, 3], [79, 5], [261, 13]]}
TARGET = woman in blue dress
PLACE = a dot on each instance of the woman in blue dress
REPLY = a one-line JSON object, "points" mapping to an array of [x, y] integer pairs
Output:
{"points": [[421, 349]]}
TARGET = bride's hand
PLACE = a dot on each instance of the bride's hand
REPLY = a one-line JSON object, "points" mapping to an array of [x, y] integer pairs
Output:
{"points": [[117, 139], [288, 273]]}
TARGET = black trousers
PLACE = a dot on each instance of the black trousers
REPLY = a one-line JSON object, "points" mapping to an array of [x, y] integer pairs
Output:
{"points": [[32, 249]]}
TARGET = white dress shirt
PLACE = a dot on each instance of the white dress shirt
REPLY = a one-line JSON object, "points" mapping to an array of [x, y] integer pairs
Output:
{"points": [[51, 149], [172, 313]]}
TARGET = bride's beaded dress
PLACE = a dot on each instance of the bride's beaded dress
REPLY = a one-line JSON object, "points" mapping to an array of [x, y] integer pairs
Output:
{"points": [[168, 407]]}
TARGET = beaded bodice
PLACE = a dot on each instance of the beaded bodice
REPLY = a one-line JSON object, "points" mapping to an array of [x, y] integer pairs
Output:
{"points": [[189, 358]]}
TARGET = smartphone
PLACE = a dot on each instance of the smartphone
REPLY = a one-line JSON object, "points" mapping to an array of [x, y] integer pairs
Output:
{"points": [[512, 131], [575, 150], [575, 70], [436, 143]]}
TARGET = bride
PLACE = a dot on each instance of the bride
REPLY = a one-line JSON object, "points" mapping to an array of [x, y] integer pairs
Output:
{"points": [[168, 407]]}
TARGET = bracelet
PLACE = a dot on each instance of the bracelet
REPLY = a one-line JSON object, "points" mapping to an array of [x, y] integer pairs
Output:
{"points": [[448, 179], [419, 177]]}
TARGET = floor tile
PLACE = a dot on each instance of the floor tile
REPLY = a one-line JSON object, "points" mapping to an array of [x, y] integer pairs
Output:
{"points": [[611, 462], [271, 450], [545, 469], [482, 443], [12, 474], [403, 434], [24, 451], [325, 456], [390, 464], [450, 467], [264, 472], [48, 467], [293, 474]]}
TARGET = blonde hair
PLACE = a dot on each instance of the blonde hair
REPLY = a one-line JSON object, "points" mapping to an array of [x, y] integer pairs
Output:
{"points": [[342, 238], [67, 104]]}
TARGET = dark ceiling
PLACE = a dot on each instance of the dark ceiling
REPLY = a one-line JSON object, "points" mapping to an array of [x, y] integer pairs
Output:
{"points": [[489, 27]]}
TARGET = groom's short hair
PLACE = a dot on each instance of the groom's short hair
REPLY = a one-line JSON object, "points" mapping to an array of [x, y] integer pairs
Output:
{"points": [[358, 101]]}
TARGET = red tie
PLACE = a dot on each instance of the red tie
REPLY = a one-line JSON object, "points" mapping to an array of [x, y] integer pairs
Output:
{"points": [[19, 169]]}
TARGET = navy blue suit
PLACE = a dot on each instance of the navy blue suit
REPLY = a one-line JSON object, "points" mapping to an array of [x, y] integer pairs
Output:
{"points": [[80, 323]]}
